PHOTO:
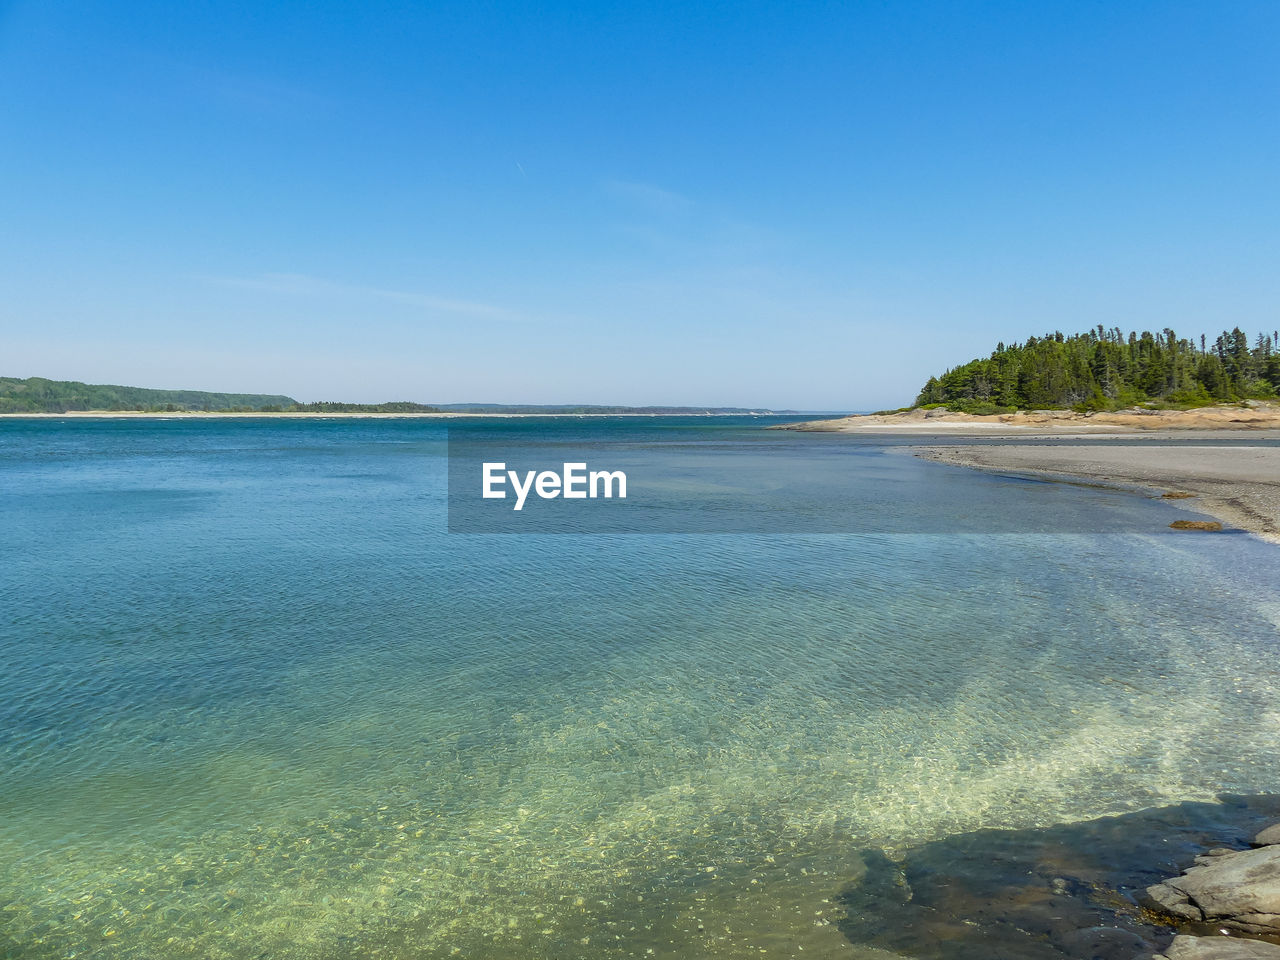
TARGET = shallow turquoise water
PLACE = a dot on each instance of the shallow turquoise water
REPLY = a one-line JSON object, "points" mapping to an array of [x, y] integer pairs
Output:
{"points": [[257, 702]]}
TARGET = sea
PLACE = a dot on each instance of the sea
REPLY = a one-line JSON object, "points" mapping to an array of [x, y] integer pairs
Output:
{"points": [[273, 688]]}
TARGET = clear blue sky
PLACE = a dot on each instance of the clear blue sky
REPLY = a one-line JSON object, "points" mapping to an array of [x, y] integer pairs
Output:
{"points": [[790, 204]]}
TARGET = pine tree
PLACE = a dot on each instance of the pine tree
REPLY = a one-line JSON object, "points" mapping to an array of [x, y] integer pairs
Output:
{"points": [[1108, 368]]}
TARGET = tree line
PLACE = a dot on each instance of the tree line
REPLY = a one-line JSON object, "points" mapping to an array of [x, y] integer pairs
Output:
{"points": [[38, 395], [1108, 370]]}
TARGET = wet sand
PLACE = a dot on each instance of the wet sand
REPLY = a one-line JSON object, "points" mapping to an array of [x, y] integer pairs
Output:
{"points": [[1236, 479]]}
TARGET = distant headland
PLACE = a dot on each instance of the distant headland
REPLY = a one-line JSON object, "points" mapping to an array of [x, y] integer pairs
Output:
{"points": [[37, 396]]}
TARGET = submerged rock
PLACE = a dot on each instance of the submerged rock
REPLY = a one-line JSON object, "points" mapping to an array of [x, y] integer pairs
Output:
{"points": [[1219, 948], [1071, 891], [1239, 889]]}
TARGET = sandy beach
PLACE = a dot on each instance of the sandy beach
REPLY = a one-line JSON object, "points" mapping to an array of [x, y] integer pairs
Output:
{"points": [[1249, 415], [1226, 457], [1236, 480]]}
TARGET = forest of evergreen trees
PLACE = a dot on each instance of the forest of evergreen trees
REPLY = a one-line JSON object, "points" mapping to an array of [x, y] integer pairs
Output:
{"points": [[1108, 369], [38, 395]]}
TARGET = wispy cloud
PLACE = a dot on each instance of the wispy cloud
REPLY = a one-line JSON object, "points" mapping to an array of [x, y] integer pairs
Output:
{"points": [[647, 195], [259, 94], [672, 225], [246, 92], [303, 285]]}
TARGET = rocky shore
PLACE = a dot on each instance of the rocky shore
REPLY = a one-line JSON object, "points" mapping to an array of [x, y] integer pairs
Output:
{"points": [[1193, 881], [1218, 948], [1237, 891]]}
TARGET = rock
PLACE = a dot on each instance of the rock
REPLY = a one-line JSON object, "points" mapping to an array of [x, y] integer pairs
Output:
{"points": [[1072, 891], [1195, 524], [1102, 943], [1174, 902], [1268, 836], [1240, 890], [1219, 948], [1209, 855]]}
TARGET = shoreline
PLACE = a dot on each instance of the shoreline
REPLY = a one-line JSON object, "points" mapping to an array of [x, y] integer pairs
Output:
{"points": [[1245, 415], [337, 415], [1241, 490], [1103, 887]]}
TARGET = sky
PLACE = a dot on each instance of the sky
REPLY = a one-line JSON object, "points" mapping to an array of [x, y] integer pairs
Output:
{"points": [[797, 205]]}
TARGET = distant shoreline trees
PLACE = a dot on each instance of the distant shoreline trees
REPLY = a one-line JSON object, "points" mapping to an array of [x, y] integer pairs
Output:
{"points": [[38, 395], [1108, 370]]}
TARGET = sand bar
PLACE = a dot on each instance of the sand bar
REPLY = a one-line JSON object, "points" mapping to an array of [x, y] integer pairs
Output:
{"points": [[1236, 480], [1249, 415], [1227, 455]]}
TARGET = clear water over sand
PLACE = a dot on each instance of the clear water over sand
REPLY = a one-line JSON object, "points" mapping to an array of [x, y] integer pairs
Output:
{"points": [[257, 703]]}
